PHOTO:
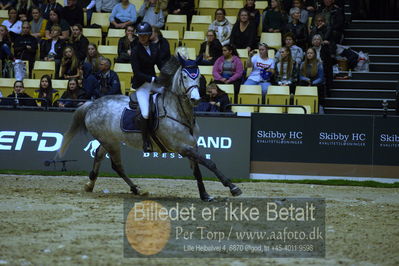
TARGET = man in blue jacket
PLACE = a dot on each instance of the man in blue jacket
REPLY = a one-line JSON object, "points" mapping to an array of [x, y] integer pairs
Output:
{"points": [[108, 80]]}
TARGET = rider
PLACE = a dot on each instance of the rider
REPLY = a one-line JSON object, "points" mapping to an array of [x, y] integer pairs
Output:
{"points": [[145, 55]]}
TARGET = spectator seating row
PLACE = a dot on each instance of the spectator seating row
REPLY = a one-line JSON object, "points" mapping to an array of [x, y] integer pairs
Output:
{"points": [[276, 95]]}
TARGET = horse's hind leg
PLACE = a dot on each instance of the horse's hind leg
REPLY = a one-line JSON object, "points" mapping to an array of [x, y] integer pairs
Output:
{"points": [[195, 156], [201, 187], [115, 155], [100, 154]]}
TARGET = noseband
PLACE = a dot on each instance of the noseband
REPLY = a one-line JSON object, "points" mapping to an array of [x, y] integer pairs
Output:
{"points": [[193, 73]]}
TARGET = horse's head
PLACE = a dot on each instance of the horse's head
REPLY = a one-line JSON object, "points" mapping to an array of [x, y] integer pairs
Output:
{"points": [[189, 79]]}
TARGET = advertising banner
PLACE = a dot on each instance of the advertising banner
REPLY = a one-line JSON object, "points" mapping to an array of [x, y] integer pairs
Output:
{"points": [[29, 141]]}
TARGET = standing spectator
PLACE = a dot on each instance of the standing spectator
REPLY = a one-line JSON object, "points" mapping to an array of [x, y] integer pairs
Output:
{"points": [[50, 5], [162, 45], [25, 46], [55, 19], [93, 57], [254, 14], [108, 79], [335, 19], [210, 50], [73, 93], [274, 18], [51, 49], [24, 10], [46, 92], [243, 35], [182, 7], [286, 70], [7, 4], [262, 69], [312, 74], [304, 13], [125, 45], [151, 13], [105, 6], [73, 13], [14, 26], [69, 64], [299, 29], [19, 97], [228, 69], [123, 14], [325, 56], [79, 42], [221, 26], [296, 51], [38, 24]]}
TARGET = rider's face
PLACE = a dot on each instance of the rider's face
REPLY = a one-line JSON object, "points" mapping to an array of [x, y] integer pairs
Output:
{"points": [[144, 39]]}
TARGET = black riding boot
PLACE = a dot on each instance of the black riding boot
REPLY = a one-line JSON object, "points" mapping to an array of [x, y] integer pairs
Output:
{"points": [[145, 134]]}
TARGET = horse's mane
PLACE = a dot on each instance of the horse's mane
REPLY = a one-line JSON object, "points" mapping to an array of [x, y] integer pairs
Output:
{"points": [[168, 71]]}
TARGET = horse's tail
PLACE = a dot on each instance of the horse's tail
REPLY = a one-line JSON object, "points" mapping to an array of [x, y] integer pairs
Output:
{"points": [[78, 125]]}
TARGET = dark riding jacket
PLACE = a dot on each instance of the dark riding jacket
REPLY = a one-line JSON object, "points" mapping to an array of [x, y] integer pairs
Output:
{"points": [[143, 63]]}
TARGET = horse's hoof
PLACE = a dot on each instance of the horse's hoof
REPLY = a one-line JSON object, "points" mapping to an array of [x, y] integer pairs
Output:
{"points": [[236, 191], [88, 187], [207, 198], [137, 191], [144, 193]]}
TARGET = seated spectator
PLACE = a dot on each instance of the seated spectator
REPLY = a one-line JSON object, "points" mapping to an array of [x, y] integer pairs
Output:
{"points": [[254, 14], [50, 5], [228, 69], [56, 20], [108, 79], [14, 26], [93, 57], [25, 46], [221, 26], [336, 19], [182, 7], [73, 93], [5, 44], [24, 10], [89, 7], [51, 49], [72, 13], [46, 92], [243, 34], [163, 44], [123, 14], [304, 13], [299, 29], [89, 81], [151, 13], [262, 69], [210, 50], [320, 28], [216, 101], [105, 6], [286, 70], [38, 24], [79, 42], [311, 70], [7, 4], [296, 51], [125, 45], [69, 64], [274, 19], [16, 98]]}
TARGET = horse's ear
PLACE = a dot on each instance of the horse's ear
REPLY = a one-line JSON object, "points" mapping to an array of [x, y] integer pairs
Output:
{"points": [[199, 59], [181, 59]]}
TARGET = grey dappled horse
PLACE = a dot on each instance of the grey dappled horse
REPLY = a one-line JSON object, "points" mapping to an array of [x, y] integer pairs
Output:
{"points": [[177, 130]]}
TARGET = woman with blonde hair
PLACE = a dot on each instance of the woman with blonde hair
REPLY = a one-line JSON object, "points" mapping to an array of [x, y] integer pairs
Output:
{"points": [[286, 69], [69, 64], [151, 13]]}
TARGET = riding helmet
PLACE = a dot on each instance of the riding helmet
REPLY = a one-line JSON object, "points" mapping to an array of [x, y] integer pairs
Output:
{"points": [[144, 28]]}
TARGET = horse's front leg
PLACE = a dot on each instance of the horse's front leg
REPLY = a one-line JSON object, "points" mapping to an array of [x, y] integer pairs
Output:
{"points": [[100, 154], [201, 187], [198, 158]]}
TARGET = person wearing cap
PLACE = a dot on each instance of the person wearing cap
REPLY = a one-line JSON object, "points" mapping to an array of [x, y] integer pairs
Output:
{"points": [[144, 56]]}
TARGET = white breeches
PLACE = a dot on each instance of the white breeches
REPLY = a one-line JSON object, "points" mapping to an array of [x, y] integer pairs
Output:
{"points": [[143, 95]]}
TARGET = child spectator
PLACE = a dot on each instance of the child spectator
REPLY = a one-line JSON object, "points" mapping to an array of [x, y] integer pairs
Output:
{"points": [[296, 51], [51, 49]]}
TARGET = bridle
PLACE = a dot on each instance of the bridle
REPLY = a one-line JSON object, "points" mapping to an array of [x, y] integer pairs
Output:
{"points": [[190, 74]]}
